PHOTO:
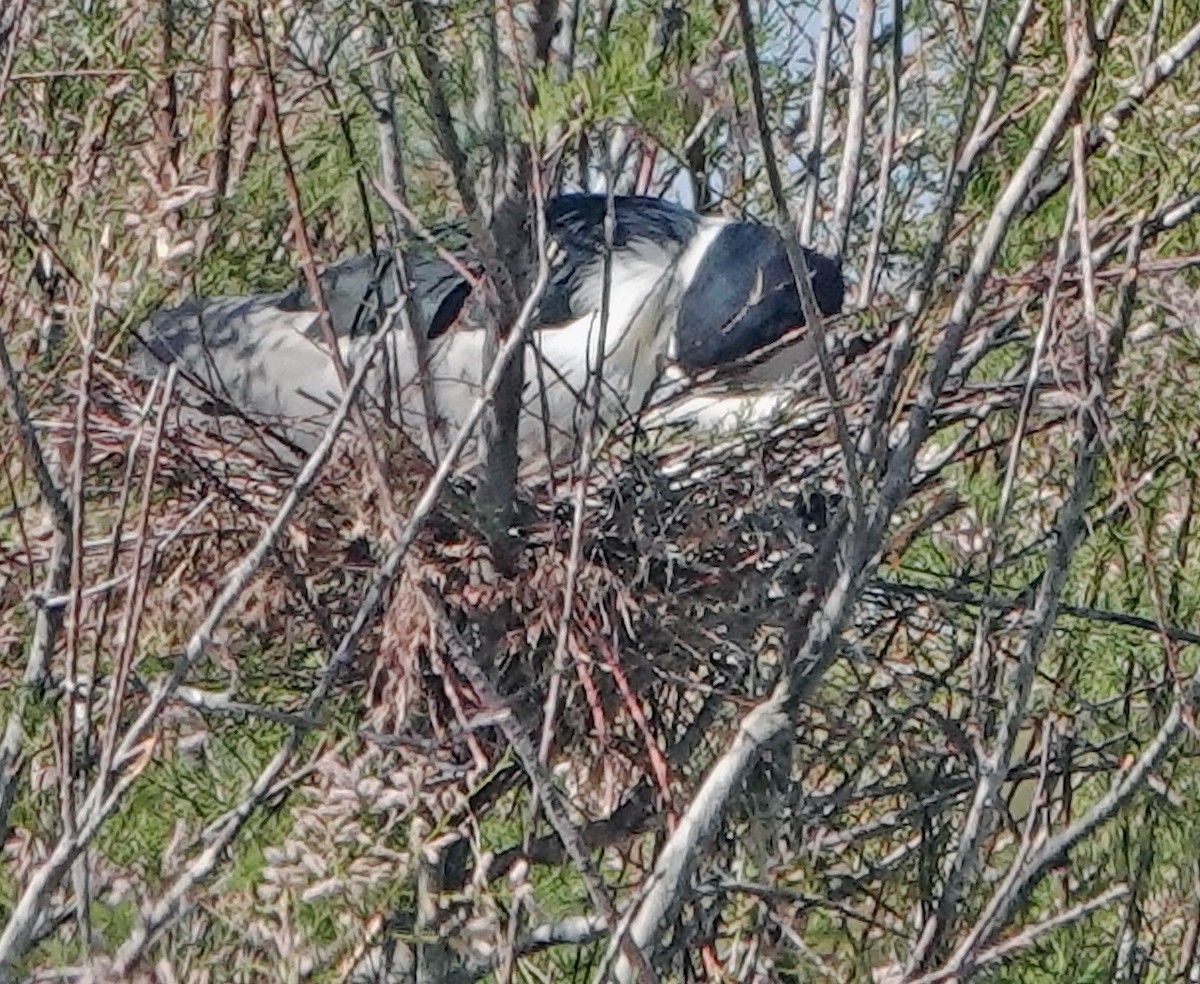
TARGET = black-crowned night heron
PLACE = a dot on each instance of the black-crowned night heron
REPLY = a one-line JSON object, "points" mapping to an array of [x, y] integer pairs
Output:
{"points": [[692, 292]]}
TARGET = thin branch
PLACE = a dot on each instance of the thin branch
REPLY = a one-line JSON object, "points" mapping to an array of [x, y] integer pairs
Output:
{"points": [[701, 821], [1026, 937], [308, 265], [48, 621], [852, 147], [1148, 82], [800, 271], [887, 151], [595, 384], [957, 178], [816, 121], [391, 166], [552, 803]]}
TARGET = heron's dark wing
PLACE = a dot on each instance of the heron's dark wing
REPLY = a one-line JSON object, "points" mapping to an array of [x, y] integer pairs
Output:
{"points": [[743, 296], [646, 229], [358, 289]]}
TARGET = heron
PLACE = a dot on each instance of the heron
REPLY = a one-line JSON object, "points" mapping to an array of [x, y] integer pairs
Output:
{"points": [[691, 292]]}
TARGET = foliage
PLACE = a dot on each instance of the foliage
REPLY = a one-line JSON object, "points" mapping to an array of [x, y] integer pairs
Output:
{"points": [[283, 816]]}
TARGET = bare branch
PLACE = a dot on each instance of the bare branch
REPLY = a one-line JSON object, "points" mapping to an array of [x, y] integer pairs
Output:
{"points": [[548, 796], [800, 271], [860, 77], [1160, 70], [888, 148], [1027, 937], [816, 121], [700, 823]]}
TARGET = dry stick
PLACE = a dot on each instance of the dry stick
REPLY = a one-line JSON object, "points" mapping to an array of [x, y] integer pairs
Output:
{"points": [[1027, 937], [884, 183], [543, 785], [701, 821], [592, 398], [443, 121], [19, 413], [1167, 217], [800, 271], [416, 225], [1079, 158], [100, 803], [111, 578], [220, 99], [860, 76], [1153, 29], [135, 596], [1056, 847], [67, 777], [48, 619], [154, 918], [591, 406], [901, 351], [309, 265], [809, 901], [173, 902], [1123, 790], [816, 121], [10, 16], [26, 913], [1152, 77], [771, 718], [391, 167]]}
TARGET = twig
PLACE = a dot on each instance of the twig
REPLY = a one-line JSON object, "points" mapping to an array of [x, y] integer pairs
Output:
{"points": [[220, 99], [900, 355], [19, 412], [982, 664], [1027, 937], [816, 121], [702, 819], [469, 665], [417, 226], [1152, 77], [852, 146], [595, 384], [899, 471], [391, 166], [888, 148], [308, 264], [800, 271], [68, 774], [135, 598], [1004, 603], [48, 621]]}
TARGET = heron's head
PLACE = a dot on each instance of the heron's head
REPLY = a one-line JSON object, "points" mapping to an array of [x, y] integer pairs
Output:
{"points": [[743, 296]]}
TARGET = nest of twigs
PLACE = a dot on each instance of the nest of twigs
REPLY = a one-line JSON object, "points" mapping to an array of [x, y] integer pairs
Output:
{"points": [[694, 550]]}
